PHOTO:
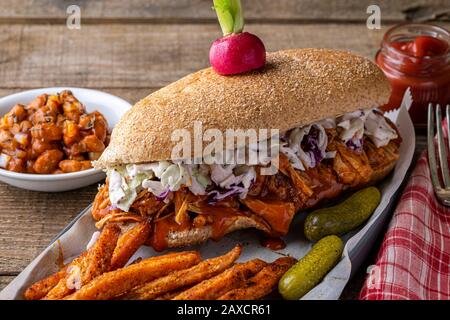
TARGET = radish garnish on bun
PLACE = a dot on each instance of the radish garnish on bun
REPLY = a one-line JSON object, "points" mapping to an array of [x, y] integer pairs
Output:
{"points": [[237, 51]]}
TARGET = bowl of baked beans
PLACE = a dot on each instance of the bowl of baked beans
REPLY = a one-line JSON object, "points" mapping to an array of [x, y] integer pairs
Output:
{"points": [[49, 137]]}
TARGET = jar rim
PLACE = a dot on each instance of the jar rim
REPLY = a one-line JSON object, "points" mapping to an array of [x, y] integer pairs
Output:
{"points": [[391, 30]]}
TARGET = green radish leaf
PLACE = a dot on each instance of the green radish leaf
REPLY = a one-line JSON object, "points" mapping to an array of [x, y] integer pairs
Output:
{"points": [[226, 20], [238, 15], [230, 15]]}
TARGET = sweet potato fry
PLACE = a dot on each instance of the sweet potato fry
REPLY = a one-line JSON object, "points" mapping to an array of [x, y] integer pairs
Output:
{"points": [[83, 269], [172, 294], [129, 243], [101, 253], [60, 290], [263, 283], [178, 279], [217, 286], [41, 288], [115, 283]]}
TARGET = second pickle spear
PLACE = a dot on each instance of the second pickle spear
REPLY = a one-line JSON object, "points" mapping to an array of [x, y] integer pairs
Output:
{"points": [[343, 217], [311, 269]]}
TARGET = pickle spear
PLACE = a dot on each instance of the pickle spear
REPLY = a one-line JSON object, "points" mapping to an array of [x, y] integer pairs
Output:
{"points": [[343, 217], [310, 270]]}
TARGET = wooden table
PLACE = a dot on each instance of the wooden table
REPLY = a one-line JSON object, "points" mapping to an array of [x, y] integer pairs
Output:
{"points": [[131, 48]]}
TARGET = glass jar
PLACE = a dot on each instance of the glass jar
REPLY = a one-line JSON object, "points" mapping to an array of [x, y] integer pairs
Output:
{"points": [[417, 56]]}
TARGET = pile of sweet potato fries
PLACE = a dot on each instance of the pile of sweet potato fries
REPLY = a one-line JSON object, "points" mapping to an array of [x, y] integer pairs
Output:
{"points": [[100, 274]]}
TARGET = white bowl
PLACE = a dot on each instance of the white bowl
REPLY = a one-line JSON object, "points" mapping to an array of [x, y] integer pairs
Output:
{"points": [[110, 106]]}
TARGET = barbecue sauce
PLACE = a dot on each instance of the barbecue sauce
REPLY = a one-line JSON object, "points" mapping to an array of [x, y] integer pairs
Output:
{"points": [[220, 220], [416, 56], [273, 243]]}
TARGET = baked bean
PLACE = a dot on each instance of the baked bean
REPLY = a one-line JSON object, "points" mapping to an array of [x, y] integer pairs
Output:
{"points": [[48, 161], [73, 106], [46, 132], [74, 165], [7, 141], [54, 104], [74, 116], [25, 126], [73, 110], [6, 122], [60, 118], [15, 128], [20, 154], [71, 132], [73, 151], [86, 122], [91, 144], [38, 102], [5, 135], [77, 157], [18, 113], [16, 164], [40, 146], [66, 95], [86, 164], [43, 115], [100, 127]]}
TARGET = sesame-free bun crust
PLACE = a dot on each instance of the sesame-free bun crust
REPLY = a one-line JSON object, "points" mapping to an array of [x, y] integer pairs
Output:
{"points": [[295, 88]]}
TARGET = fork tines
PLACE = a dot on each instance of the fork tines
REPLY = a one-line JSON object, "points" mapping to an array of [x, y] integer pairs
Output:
{"points": [[442, 192]]}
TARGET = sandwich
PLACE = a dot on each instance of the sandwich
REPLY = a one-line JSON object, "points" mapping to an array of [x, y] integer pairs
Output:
{"points": [[331, 138]]}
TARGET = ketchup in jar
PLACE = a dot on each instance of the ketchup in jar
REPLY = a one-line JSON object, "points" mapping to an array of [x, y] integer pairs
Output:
{"points": [[417, 56]]}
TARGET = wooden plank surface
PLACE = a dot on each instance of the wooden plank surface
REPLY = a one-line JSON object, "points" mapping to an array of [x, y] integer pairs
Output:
{"points": [[187, 10], [30, 220], [137, 56], [113, 56], [4, 280]]}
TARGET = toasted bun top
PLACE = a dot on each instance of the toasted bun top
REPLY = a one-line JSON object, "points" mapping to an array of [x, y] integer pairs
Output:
{"points": [[295, 88]]}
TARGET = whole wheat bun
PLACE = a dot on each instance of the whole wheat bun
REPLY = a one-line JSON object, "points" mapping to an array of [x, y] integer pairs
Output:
{"points": [[295, 88]]}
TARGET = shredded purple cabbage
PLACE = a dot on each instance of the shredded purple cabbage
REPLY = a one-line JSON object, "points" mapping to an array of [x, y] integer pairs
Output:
{"points": [[217, 196], [163, 195], [310, 145], [355, 144]]}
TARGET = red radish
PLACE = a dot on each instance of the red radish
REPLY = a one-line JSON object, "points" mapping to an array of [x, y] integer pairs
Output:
{"points": [[237, 51]]}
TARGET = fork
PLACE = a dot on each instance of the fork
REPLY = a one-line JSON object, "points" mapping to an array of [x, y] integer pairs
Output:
{"points": [[442, 192]]}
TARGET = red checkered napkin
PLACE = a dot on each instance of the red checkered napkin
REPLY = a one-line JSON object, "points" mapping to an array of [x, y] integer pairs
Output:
{"points": [[414, 259]]}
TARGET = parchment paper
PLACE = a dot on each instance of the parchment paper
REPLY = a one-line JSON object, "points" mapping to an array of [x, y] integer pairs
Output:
{"points": [[75, 239]]}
